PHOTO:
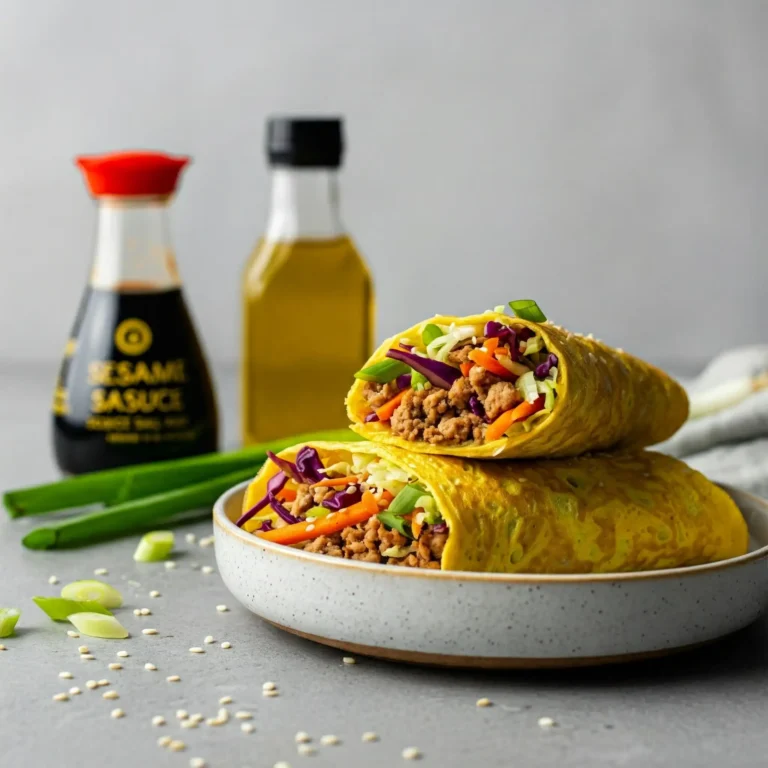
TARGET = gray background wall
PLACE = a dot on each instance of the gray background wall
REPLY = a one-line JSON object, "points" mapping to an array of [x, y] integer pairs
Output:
{"points": [[607, 158]]}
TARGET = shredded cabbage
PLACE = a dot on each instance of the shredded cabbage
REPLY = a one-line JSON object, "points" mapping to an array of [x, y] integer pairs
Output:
{"points": [[547, 388], [534, 344], [513, 367], [427, 503], [399, 551], [442, 346], [341, 468], [384, 475], [526, 386]]}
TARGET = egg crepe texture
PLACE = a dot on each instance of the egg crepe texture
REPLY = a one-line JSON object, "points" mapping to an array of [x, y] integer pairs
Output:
{"points": [[634, 511], [606, 399]]}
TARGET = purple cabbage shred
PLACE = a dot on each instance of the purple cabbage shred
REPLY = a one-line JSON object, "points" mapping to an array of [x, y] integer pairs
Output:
{"points": [[371, 417], [309, 465], [440, 528], [343, 499], [275, 485], [404, 381], [543, 369]]}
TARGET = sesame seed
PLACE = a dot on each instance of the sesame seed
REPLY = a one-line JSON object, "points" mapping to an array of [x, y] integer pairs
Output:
{"points": [[53, 580], [136, 612], [309, 519], [145, 612], [281, 764], [226, 646], [329, 740], [310, 528], [170, 565], [330, 515], [197, 762], [164, 741], [177, 746], [91, 684], [349, 660], [189, 723], [268, 686], [110, 695], [209, 639], [195, 649], [87, 657], [306, 750], [302, 737], [190, 538], [103, 683], [222, 718], [411, 753], [484, 702], [370, 736], [270, 694], [83, 649], [72, 633], [74, 691], [222, 608], [114, 666], [158, 720], [242, 715], [196, 718], [546, 722], [225, 700], [61, 697], [154, 593], [117, 713], [247, 727], [150, 667], [182, 714], [123, 654], [65, 675], [206, 569], [101, 572], [172, 679], [149, 631], [2, 647]]}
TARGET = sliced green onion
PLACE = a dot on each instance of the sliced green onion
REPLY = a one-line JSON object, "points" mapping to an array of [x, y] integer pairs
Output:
{"points": [[91, 590], [419, 381], [154, 546], [526, 386], [528, 309], [430, 333], [533, 345], [396, 522], [98, 625], [8, 619], [117, 486], [427, 503], [383, 371], [60, 609], [318, 512], [499, 309], [405, 501]]}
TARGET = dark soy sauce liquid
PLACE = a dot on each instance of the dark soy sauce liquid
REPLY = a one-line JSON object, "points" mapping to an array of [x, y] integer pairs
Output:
{"points": [[134, 386]]}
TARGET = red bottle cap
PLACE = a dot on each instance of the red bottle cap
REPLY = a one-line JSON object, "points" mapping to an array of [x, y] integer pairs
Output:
{"points": [[130, 174]]}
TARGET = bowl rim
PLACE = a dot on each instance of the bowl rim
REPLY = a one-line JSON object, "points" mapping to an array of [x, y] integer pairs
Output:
{"points": [[225, 525]]}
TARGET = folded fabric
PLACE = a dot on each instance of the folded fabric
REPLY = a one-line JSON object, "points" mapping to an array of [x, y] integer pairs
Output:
{"points": [[726, 436]]}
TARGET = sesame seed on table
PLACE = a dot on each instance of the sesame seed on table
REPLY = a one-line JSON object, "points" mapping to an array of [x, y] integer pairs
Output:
{"points": [[707, 707]]}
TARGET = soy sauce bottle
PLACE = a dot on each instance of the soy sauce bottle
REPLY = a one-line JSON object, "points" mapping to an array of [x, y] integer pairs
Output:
{"points": [[134, 385]]}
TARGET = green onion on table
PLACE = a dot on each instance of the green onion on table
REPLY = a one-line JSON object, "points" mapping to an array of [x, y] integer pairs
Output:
{"points": [[136, 499]]}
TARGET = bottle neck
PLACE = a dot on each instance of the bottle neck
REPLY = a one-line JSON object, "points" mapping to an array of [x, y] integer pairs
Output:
{"points": [[305, 205], [133, 246]]}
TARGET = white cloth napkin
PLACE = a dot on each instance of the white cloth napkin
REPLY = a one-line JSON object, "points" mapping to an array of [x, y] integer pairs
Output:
{"points": [[726, 437]]}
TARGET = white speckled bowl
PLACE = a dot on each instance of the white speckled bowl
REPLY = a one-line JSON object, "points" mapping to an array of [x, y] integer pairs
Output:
{"points": [[492, 620]]}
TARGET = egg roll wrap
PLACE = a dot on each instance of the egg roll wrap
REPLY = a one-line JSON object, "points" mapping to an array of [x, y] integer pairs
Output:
{"points": [[597, 397], [599, 514]]}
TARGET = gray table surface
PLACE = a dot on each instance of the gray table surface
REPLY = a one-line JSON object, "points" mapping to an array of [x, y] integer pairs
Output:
{"points": [[706, 708]]}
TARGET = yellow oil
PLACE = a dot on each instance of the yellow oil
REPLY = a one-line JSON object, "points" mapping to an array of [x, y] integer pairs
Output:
{"points": [[308, 310]]}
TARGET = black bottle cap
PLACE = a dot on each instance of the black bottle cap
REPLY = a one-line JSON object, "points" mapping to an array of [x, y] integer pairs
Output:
{"points": [[305, 142]]}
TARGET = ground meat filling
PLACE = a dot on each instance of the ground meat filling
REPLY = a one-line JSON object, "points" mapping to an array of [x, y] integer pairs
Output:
{"points": [[444, 417], [369, 540]]}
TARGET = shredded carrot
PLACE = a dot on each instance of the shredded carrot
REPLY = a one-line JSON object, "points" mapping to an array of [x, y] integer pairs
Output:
{"points": [[386, 497], [287, 495], [508, 418], [385, 411], [503, 351], [491, 344], [332, 482], [325, 526], [484, 360], [466, 368], [416, 527]]}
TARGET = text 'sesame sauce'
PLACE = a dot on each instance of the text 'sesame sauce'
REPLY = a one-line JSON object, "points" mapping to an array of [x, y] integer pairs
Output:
{"points": [[134, 384]]}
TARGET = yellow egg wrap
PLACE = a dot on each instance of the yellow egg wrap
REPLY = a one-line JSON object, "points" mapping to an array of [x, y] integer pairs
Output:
{"points": [[605, 399], [625, 512]]}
